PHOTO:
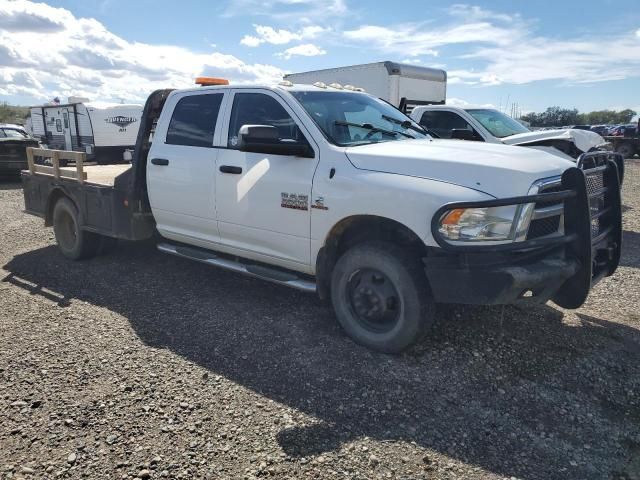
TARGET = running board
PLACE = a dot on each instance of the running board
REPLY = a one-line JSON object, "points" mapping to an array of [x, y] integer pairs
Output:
{"points": [[266, 273]]}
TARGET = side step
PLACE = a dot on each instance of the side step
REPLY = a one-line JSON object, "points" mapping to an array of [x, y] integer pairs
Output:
{"points": [[259, 271]]}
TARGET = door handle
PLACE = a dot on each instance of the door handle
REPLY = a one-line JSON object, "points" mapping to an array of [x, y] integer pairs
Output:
{"points": [[160, 161], [230, 169]]}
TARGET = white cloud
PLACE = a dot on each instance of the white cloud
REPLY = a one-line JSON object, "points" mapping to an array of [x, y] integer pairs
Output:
{"points": [[79, 56], [459, 102], [24, 16], [638, 33], [301, 11], [266, 34], [414, 39], [572, 61], [506, 49], [250, 41], [473, 12], [304, 50]]}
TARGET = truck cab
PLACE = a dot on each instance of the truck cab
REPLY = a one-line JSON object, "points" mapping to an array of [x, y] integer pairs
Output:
{"points": [[335, 191]]}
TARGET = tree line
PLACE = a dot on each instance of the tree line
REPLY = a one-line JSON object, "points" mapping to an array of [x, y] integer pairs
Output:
{"points": [[558, 117], [12, 113]]}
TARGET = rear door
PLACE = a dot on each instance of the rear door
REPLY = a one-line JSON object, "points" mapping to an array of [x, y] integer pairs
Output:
{"points": [[181, 168]]}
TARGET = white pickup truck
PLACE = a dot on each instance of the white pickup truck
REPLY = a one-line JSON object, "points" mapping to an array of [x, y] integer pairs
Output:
{"points": [[337, 192], [489, 125]]}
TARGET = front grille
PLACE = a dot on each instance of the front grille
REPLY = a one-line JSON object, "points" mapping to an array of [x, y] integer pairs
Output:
{"points": [[596, 191], [547, 214], [543, 227]]}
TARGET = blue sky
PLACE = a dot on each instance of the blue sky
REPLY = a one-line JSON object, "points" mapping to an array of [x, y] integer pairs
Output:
{"points": [[583, 54]]}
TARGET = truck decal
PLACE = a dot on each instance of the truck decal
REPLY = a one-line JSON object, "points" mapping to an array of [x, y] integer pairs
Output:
{"points": [[295, 201]]}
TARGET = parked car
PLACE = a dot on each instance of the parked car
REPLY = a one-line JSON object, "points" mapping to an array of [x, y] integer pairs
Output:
{"points": [[13, 143], [338, 192], [492, 126], [601, 130]]}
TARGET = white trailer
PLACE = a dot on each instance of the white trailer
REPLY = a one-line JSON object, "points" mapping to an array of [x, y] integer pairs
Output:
{"points": [[405, 86], [103, 132]]}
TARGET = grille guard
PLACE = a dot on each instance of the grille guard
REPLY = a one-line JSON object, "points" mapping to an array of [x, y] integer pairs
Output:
{"points": [[597, 255]]}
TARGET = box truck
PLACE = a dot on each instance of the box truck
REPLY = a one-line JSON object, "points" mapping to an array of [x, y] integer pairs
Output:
{"points": [[405, 86]]}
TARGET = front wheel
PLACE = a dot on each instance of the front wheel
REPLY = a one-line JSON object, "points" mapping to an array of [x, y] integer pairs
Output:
{"points": [[381, 297]]}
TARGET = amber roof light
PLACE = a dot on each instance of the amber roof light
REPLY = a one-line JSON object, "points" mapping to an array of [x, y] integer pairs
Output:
{"points": [[208, 81]]}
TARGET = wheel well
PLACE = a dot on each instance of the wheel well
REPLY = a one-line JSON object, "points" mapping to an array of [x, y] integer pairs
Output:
{"points": [[54, 196], [357, 229]]}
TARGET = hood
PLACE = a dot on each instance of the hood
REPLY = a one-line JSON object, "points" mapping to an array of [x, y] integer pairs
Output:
{"points": [[584, 140], [495, 169]]}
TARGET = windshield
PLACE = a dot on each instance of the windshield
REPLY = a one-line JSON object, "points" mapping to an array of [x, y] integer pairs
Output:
{"points": [[350, 118], [12, 133], [498, 124]]}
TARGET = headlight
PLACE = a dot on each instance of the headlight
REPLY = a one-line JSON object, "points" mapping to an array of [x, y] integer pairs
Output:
{"points": [[487, 224]]}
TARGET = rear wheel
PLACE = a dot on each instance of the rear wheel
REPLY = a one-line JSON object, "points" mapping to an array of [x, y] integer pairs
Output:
{"points": [[380, 296], [74, 243]]}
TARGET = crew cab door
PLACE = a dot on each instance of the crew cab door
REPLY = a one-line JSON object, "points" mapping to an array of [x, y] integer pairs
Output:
{"points": [[181, 168], [263, 199]]}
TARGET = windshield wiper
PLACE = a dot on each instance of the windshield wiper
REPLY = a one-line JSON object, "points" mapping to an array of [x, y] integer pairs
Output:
{"points": [[368, 126], [409, 124]]}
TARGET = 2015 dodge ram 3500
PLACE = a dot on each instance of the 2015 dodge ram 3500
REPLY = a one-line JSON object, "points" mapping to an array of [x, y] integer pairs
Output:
{"points": [[337, 192]]}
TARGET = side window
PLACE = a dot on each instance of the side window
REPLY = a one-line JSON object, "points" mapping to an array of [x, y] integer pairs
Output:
{"points": [[442, 122], [65, 116], [194, 120], [261, 109]]}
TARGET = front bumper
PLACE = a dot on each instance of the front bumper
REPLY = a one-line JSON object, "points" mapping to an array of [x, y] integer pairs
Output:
{"points": [[13, 166], [562, 268], [454, 280]]}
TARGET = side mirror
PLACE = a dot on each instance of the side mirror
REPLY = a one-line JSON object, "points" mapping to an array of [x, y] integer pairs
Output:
{"points": [[265, 139], [463, 134]]}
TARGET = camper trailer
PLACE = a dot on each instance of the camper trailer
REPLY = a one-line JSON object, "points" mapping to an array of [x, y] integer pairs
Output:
{"points": [[103, 132], [405, 86]]}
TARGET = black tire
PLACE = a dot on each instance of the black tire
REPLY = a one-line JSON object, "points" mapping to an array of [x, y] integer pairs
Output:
{"points": [[403, 309], [74, 243], [626, 149]]}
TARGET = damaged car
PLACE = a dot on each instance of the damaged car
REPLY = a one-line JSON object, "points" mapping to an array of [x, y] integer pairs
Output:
{"points": [[492, 126]]}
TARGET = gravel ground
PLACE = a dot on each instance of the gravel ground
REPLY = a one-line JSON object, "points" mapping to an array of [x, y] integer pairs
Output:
{"points": [[138, 364]]}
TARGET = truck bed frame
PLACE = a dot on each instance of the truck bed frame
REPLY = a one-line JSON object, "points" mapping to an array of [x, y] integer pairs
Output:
{"points": [[111, 199]]}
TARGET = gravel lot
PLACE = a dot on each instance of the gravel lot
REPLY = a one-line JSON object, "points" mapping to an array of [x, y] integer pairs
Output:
{"points": [[138, 364]]}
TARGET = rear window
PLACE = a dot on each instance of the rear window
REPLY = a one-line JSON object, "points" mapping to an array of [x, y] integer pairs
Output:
{"points": [[194, 120]]}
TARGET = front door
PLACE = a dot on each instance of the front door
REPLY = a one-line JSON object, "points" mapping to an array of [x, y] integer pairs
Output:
{"points": [[263, 199]]}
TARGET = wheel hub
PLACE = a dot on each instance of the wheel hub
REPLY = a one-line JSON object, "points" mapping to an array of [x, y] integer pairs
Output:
{"points": [[374, 299]]}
